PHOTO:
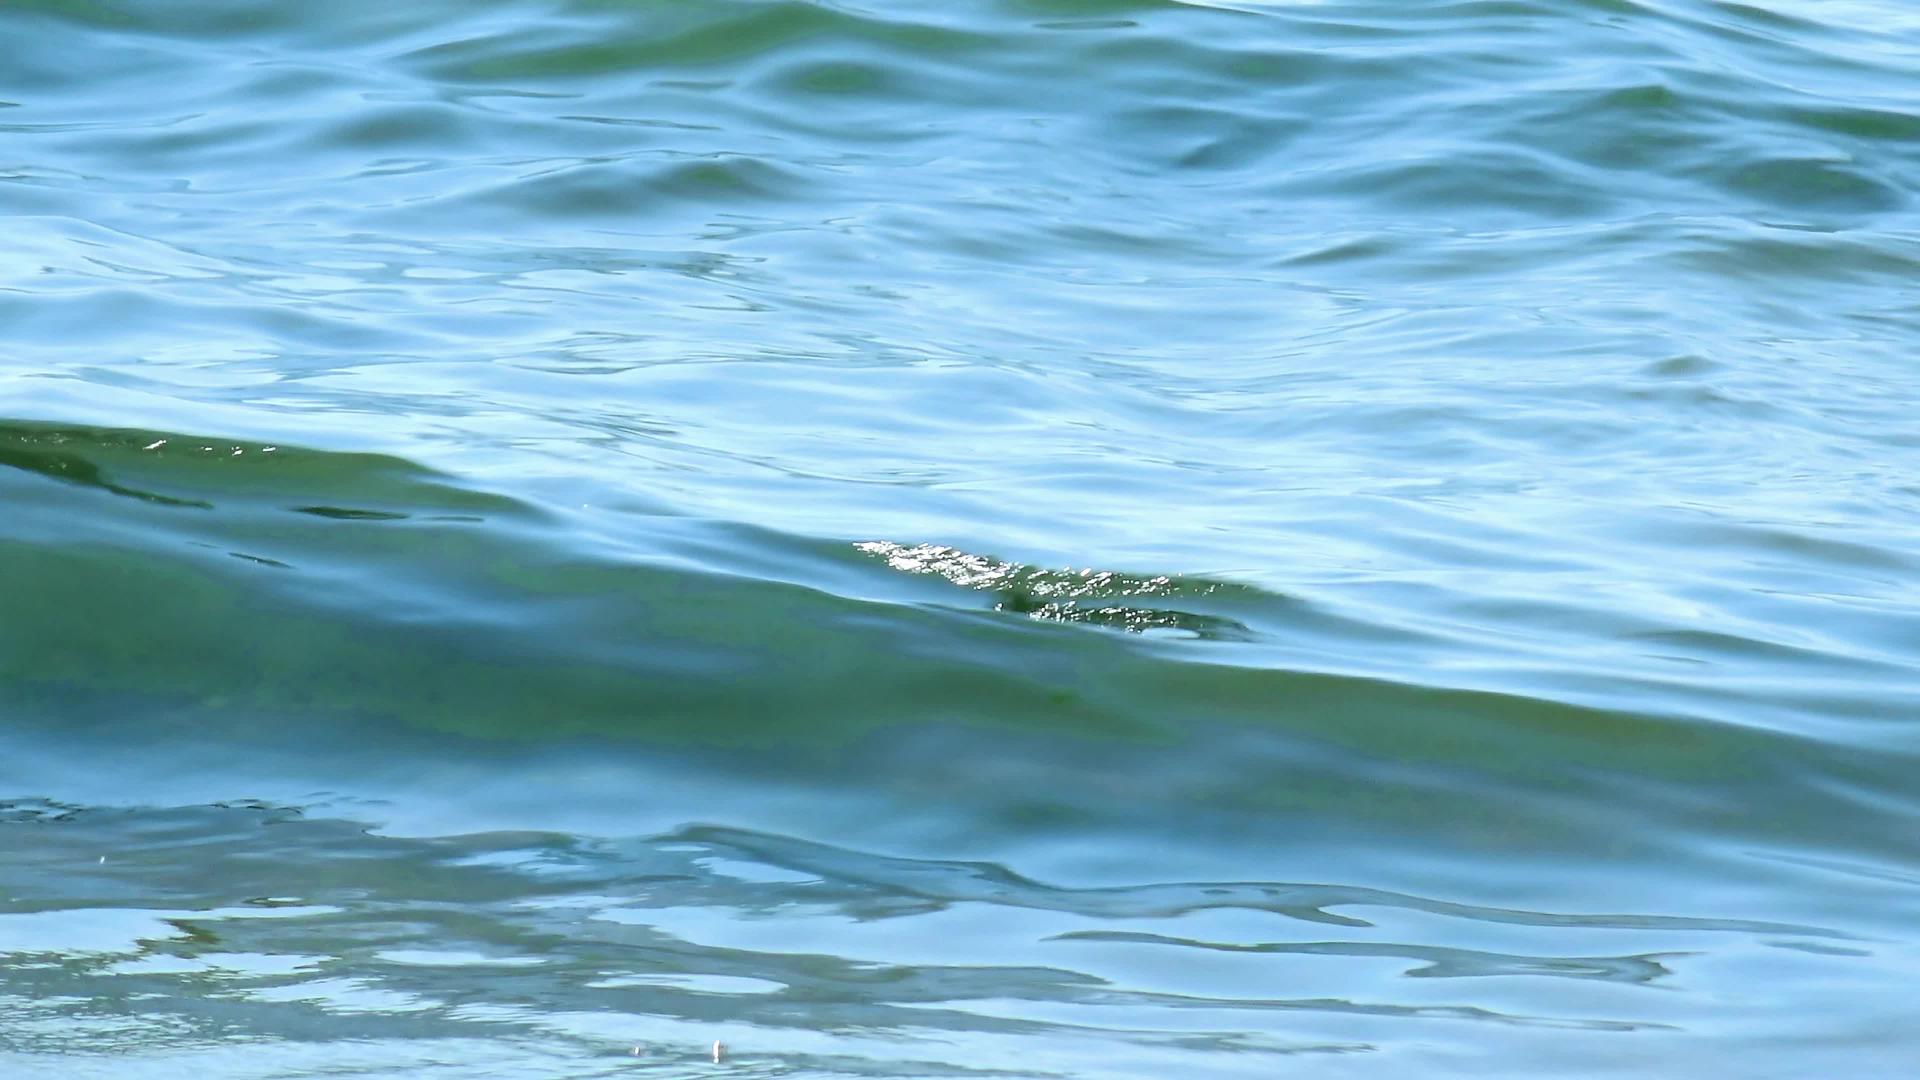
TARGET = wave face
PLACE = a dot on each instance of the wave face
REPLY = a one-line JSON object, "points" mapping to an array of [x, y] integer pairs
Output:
{"points": [[1111, 538]]}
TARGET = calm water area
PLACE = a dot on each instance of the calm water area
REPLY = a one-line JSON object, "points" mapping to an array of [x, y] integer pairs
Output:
{"points": [[969, 539]]}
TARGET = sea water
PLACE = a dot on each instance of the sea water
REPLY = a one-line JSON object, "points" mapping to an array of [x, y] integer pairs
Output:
{"points": [[981, 538]]}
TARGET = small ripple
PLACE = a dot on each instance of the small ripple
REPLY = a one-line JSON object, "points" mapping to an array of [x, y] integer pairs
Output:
{"points": [[1438, 962], [346, 513], [958, 882]]}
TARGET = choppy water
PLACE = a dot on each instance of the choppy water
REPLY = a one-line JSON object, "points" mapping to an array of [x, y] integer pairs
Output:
{"points": [[1015, 539]]}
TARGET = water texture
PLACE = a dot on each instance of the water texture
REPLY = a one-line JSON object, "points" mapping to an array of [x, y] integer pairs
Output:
{"points": [[1010, 538]]}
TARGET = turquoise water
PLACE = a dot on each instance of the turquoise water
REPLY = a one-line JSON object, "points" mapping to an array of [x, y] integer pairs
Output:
{"points": [[984, 539]]}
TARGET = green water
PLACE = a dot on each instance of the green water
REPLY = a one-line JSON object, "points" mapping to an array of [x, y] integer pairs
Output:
{"points": [[985, 539]]}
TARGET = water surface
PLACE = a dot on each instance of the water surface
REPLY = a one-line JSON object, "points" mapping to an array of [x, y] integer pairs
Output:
{"points": [[1025, 538]]}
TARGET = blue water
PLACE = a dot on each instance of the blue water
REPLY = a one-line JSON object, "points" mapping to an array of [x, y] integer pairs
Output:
{"points": [[1017, 539]]}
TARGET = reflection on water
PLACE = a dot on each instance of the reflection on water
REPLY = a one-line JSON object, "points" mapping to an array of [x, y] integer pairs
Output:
{"points": [[161, 932]]}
